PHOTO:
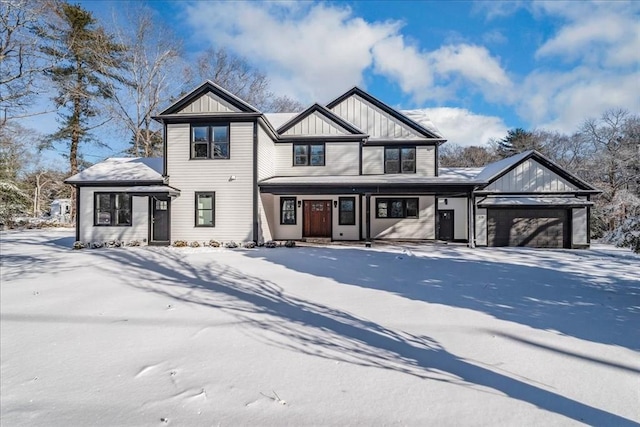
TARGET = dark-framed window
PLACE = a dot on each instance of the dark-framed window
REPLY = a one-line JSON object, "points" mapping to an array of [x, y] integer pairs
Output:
{"points": [[210, 141], [347, 211], [400, 160], [308, 154], [397, 208], [205, 209], [288, 210], [112, 209]]}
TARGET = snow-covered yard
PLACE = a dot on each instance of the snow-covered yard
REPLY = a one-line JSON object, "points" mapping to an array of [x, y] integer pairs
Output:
{"points": [[392, 335]]}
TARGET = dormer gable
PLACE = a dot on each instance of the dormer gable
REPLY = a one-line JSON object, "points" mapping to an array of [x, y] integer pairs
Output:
{"points": [[317, 121], [208, 98], [377, 119]]}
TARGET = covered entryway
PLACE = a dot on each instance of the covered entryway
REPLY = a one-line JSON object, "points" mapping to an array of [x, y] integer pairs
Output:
{"points": [[316, 218], [538, 228]]}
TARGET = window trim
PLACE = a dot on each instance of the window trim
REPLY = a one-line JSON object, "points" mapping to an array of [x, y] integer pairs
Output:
{"points": [[400, 148], [210, 142], [213, 209], [404, 200], [112, 209], [353, 200], [309, 145], [295, 210]]}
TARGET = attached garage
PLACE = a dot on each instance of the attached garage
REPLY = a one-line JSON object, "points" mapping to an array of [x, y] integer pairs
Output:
{"points": [[538, 228]]}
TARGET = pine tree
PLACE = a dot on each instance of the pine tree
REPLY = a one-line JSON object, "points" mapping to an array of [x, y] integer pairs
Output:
{"points": [[517, 141], [86, 58]]}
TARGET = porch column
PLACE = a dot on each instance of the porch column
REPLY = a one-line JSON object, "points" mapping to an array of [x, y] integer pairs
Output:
{"points": [[368, 220], [472, 220]]}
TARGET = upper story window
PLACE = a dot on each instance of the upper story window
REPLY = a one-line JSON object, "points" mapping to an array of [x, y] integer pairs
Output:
{"points": [[112, 209], [400, 160], [210, 141], [308, 154]]}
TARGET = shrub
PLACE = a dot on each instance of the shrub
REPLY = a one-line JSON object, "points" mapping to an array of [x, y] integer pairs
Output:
{"points": [[96, 245], [290, 244], [270, 244], [249, 245], [231, 245], [78, 245], [214, 243], [194, 244], [133, 243], [180, 244]]}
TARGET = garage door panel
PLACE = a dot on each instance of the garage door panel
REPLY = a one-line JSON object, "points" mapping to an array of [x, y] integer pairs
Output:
{"points": [[546, 228]]}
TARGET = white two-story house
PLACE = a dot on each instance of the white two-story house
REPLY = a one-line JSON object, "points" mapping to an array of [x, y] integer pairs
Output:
{"points": [[354, 169]]}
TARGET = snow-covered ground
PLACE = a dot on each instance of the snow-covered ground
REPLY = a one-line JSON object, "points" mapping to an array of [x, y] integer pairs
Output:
{"points": [[340, 335]]}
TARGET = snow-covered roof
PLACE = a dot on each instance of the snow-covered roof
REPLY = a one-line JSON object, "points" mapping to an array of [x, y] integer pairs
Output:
{"points": [[278, 119], [534, 201], [399, 179], [121, 169], [493, 169], [420, 117], [152, 189], [463, 173]]}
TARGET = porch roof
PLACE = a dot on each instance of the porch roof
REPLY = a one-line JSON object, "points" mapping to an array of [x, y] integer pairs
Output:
{"points": [[515, 201], [146, 190]]}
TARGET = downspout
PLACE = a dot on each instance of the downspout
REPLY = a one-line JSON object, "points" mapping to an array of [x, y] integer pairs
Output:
{"points": [[368, 220], [472, 218], [77, 213], [255, 182]]}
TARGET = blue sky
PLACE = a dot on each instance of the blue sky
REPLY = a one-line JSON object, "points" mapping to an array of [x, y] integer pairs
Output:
{"points": [[475, 68]]}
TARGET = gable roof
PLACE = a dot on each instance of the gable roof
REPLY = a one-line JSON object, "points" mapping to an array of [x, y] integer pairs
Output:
{"points": [[209, 87], [328, 114], [494, 171], [121, 170], [387, 109]]}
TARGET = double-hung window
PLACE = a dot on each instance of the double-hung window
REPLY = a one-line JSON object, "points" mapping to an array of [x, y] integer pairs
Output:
{"points": [[112, 209], [205, 209], [287, 210], [347, 211], [308, 154], [397, 208], [400, 160], [210, 141]]}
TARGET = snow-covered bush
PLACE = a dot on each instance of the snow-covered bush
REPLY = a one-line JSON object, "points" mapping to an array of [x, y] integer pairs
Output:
{"points": [[133, 243], [96, 245], [194, 244], [231, 245], [180, 244], [214, 243], [249, 245], [113, 244], [78, 245], [270, 244], [290, 244], [627, 235]]}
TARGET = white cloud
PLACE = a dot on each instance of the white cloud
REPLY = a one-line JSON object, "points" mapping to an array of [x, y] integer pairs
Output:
{"points": [[460, 126]]}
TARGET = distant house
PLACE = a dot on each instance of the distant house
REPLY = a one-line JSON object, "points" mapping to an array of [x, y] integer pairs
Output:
{"points": [[354, 169]]}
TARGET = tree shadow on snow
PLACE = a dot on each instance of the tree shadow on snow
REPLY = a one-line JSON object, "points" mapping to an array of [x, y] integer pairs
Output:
{"points": [[319, 330]]}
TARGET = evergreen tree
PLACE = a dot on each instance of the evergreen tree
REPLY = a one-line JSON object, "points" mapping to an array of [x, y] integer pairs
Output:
{"points": [[86, 59], [517, 141]]}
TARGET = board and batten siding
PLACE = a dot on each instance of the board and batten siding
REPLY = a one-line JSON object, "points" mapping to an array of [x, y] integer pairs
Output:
{"points": [[373, 160], [460, 214], [579, 229], [530, 176], [139, 229], [209, 103], [373, 121], [316, 124], [422, 227], [231, 179], [340, 158]]}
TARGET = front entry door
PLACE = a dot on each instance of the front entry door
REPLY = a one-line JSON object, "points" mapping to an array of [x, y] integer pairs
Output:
{"points": [[159, 220], [445, 225], [317, 218]]}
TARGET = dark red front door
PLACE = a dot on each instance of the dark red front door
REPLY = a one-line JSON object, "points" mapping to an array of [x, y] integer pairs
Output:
{"points": [[317, 218]]}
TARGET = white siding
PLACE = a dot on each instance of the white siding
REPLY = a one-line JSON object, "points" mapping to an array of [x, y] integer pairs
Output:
{"points": [[139, 229], [316, 124], [460, 214], [422, 227], [208, 103], [372, 160], [266, 155], [372, 120], [234, 197], [294, 231], [426, 160], [265, 217], [579, 227], [481, 227], [341, 158], [531, 176]]}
